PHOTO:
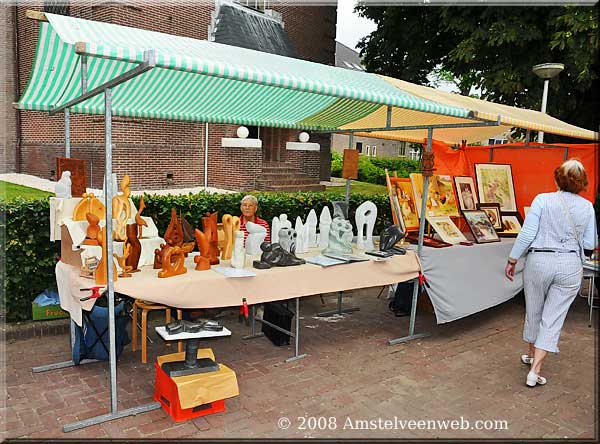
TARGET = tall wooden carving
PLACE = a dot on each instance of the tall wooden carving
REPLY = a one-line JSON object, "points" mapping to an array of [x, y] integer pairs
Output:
{"points": [[93, 229], [136, 248], [202, 261], [231, 224], [138, 218], [209, 223], [88, 204], [101, 273], [121, 209]]}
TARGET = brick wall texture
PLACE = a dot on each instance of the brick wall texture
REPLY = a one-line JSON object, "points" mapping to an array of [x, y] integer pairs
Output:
{"points": [[148, 150]]}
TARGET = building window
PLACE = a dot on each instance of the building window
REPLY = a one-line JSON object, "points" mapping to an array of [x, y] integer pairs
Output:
{"points": [[402, 149], [414, 153], [368, 150], [359, 147], [60, 7], [374, 151], [253, 132], [258, 5]]}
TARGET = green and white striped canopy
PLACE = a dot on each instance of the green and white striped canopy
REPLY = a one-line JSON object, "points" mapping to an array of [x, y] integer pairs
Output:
{"points": [[198, 80]]}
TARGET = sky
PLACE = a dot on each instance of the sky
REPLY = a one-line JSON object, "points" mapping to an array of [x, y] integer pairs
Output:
{"points": [[350, 27]]}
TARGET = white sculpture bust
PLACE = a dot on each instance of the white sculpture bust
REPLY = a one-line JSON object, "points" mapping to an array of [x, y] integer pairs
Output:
{"points": [[287, 239], [63, 186], [366, 215], [256, 236]]}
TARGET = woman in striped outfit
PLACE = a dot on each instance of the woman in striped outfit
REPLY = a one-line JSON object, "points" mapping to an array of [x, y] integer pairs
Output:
{"points": [[557, 230]]}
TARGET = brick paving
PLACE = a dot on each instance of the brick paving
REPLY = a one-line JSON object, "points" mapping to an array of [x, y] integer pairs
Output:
{"points": [[469, 368]]}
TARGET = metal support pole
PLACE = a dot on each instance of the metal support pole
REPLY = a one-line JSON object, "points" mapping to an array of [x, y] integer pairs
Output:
{"points": [[339, 310], [67, 133], [544, 103], [413, 315], [83, 74], [253, 334], [527, 136], [297, 335], [388, 120], [206, 156], [350, 146]]}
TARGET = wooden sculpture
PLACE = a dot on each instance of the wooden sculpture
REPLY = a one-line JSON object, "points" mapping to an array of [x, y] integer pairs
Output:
{"points": [[209, 223], [122, 261], [93, 229], [138, 218], [121, 208], [88, 204], [101, 273], [202, 261], [174, 233], [135, 247], [172, 262], [158, 256], [231, 224]]}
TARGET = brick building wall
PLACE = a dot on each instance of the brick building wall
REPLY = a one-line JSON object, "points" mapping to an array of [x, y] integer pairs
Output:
{"points": [[7, 80], [148, 149]]}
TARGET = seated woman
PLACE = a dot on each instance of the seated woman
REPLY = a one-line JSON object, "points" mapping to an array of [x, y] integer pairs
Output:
{"points": [[249, 207]]}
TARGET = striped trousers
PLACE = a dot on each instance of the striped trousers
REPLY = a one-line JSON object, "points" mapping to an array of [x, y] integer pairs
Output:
{"points": [[551, 282]]}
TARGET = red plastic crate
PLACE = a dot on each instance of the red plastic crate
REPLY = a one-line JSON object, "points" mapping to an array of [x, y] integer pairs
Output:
{"points": [[165, 392]]}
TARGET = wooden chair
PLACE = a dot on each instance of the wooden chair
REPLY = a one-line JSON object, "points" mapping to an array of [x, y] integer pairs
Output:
{"points": [[147, 307]]}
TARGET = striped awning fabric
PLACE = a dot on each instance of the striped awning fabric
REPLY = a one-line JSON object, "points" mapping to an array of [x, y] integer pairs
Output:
{"points": [[198, 80]]}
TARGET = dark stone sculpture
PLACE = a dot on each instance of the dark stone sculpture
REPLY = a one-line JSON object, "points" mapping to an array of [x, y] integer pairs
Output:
{"points": [[390, 237], [275, 256]]}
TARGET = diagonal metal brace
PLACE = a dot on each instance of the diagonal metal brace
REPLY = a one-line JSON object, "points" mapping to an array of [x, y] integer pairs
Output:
{"points": [[148, 63]]}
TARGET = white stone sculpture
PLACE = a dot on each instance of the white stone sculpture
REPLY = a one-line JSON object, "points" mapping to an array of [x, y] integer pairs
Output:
{"points": [[324, 224], [275, 226], [287, 239], [302, 239], [256, 236], [238, 256], [63, 186], [284, 222], [340, 237], [311, 223], [366, 215]]}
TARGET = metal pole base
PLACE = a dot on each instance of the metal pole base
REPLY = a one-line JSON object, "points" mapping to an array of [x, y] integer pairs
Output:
{"points": [[325, 314], [65, 364], [254, 336], [295, 358], [110, 416], [408, 338]]}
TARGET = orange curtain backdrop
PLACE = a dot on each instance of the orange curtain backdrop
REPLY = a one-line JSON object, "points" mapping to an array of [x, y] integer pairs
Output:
{"points": [[532, 167]]}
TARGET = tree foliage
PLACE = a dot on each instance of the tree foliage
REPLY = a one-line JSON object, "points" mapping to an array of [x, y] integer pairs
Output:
{"points": [[493, 48]]}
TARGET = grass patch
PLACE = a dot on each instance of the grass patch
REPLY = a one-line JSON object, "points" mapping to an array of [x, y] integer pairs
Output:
{"points": [[10, 191], [359, 187]]}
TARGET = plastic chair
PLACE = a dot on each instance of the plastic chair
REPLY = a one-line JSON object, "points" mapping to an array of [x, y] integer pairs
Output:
{"points": [[147, 307]]}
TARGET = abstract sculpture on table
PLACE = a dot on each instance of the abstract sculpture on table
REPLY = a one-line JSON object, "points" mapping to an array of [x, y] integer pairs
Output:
{"points": [[203, 260], [287, 239], [138, 218], [279, 223], [209, 224], [88, 204], [174, 238], [135, 247], [172, 262], [256, 236], [275, 256], [390, 237], [231, 224], [101, 272], [324, 225], [93, 229], [238, 257], [63, 186], [302, 236], [340, 237], [122, 261], [121, 208], [366, 215], [312, 221]]}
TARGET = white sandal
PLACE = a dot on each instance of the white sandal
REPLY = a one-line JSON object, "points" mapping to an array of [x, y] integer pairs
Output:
{"points": [[533, 380], [525, 359]]}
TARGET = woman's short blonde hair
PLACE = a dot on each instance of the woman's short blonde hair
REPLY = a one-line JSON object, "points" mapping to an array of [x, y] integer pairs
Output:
{"points": [[571, 176]]}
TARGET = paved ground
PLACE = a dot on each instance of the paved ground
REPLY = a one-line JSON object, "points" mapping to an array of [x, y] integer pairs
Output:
{"points": [[469, 368]]}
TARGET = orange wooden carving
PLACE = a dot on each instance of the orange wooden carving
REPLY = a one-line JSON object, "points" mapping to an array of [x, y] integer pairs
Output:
{"points": [[101, 273], [136, 248], [172, 262], [122, 261], [121, 208], [138, 218], [202, 261], [88, 204], [228, 229], [91, 233], [174, 233], [209, 223]]}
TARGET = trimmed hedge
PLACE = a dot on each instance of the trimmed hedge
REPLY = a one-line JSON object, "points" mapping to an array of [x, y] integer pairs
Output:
{"points": [[31, 257], [372, 169]]}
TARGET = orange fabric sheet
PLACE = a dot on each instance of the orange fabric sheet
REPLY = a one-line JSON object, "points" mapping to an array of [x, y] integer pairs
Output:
{"points": [[532, 167]]}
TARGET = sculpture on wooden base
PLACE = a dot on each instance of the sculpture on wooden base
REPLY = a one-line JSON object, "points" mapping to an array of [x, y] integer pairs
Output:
{"points": [[174, 238], [121, 208], [275, 256], [209, 224], [203, 260], [122, 261], [172, 262], [93, 229], [135, 247], [101, 273]]}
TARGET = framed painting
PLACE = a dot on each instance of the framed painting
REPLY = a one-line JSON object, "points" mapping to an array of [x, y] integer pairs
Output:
{"points": [[481, 226], [446, 229], [441, 200], [512, 222], [495, 184], [413, 238], [465, 190], [403, 189], [493, 213]]}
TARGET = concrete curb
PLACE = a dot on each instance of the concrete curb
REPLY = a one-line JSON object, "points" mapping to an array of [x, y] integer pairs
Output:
{"points": [[31, 329]]}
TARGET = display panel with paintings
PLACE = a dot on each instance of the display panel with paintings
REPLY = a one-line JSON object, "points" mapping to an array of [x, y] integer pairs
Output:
{"points": [[465, 190], [512, 222], [481, 226], [493, 213], [413, 238], [495, 184], [440, 197], [446, 229], [406, 199]]}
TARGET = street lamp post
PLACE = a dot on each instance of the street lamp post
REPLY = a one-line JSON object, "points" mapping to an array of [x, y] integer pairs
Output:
{"points": [[546, 71]]}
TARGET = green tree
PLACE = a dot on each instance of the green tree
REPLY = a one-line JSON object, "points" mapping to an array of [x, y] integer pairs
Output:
{"points": [[493, 49]]}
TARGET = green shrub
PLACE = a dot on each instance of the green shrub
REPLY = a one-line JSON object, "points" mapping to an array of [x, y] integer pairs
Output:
{"points": [[372, 169], [31, 257]]}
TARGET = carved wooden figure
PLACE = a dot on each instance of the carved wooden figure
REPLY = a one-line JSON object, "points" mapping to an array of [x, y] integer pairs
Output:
{"points": [[174, 233], [93, 229], [209, 224], [231, 224], [138, 218], [135, 247], [158, 256], [121, 209], [101, 273], [88, 204], [172, 262], [122, 261], [202, 261]]}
